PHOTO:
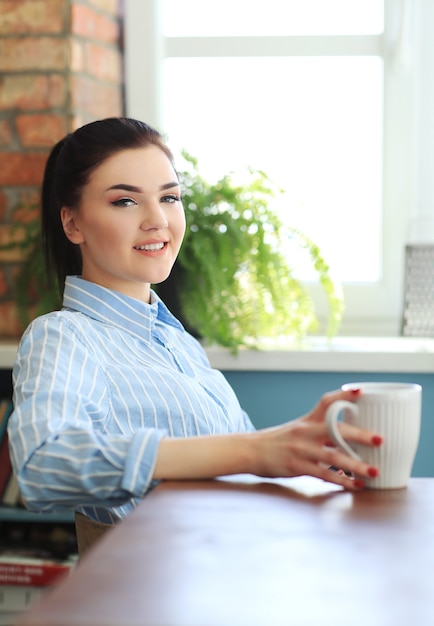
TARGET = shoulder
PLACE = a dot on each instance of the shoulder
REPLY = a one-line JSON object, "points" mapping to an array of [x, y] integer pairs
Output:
{"points": [[55, 345], [57, 322], [54, 332]]}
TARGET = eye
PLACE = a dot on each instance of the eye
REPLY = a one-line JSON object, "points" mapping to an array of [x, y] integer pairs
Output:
{"points": [[171, 198], [124, 202]]}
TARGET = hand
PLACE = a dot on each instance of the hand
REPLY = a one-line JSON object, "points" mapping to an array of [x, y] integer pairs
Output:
{"points": [[303, 447]]}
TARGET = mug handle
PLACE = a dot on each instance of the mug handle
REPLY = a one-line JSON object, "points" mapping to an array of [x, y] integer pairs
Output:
{"points": [[332, 419]]}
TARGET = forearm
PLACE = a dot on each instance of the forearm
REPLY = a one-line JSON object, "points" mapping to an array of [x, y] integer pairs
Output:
{"points": [[300, 447], [204, 457]]}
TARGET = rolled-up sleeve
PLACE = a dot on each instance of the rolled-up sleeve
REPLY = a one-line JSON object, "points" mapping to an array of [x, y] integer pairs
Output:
{"points": [[63, 441]]}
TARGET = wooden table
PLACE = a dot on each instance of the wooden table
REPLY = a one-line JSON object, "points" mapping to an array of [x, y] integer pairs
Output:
{"points": [[245, 552]]}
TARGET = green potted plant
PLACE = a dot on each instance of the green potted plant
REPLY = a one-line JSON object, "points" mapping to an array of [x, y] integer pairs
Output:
{"points": [[232, 283]]}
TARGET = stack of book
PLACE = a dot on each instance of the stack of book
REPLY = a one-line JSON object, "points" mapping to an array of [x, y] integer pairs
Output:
{"points": [[33, 557], [9, 492], [25, 576]]}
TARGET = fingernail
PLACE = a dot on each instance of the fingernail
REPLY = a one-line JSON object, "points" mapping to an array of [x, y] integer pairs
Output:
{"points": [[356, 391], [377, 440], [359, 484], [373, 472]]}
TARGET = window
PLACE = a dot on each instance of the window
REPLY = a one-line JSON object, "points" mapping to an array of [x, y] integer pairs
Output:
{"points": [[320, 94]]}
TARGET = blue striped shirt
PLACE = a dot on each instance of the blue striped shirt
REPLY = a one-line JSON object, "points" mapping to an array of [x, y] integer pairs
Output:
{"points": [[96, 386]]}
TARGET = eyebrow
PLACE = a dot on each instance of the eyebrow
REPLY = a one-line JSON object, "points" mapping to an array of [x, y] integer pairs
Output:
{"points": [[135, 189]]}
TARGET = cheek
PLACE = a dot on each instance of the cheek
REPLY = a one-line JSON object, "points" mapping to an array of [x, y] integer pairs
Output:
{"points": [[105, 233], [178, 225], [104, 238]]}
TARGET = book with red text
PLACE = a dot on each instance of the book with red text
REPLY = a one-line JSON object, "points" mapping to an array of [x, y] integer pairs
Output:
{"points": [[27, 570]]}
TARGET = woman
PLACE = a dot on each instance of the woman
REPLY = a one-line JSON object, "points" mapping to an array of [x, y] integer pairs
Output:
{"points": [[111, 394]]}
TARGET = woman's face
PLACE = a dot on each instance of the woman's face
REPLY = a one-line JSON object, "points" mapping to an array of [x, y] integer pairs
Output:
{"points": [[130, 222]]}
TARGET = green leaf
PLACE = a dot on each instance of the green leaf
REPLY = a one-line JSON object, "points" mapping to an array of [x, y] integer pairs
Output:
{"points": [[237, 284]]}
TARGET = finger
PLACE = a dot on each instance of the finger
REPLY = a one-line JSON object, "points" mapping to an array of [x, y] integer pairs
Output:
{"points": [[343, 479], [328, 457], [339, 471], [350, 466], [354, 480], [318, 413], [318, 432], [338, 478], [359, 435]]}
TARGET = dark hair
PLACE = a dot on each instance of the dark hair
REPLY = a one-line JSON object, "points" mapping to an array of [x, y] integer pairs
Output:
{"points": [[67, 171]]}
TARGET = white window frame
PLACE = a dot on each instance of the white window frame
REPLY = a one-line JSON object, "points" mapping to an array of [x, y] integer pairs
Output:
{"points": [[407, 49]]}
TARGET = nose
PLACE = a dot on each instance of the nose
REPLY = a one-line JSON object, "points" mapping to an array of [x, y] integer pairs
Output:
{"points": [[154, 218]]}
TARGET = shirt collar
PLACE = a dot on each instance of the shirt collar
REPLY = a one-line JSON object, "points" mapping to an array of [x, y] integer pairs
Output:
{"points": [[112, 307]]}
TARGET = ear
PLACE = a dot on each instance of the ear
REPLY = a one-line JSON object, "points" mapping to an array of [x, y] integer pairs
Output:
{"points": [[70, 227]]}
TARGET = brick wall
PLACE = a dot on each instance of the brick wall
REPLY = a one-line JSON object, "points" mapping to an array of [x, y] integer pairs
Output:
{"points": [[60, 67]]}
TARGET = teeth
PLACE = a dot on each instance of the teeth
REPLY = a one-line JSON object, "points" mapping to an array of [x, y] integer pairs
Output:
{"points": [[150, 246]]}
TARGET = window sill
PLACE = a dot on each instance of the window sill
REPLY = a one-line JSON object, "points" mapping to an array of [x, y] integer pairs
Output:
{"points": [[314, 354], [318, 354]]}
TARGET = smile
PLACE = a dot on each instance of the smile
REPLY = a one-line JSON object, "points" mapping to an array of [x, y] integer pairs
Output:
{"points": [[150, 246]]}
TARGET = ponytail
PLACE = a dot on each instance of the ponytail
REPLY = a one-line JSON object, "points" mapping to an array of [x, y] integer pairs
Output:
{"points": [[61, 257]]}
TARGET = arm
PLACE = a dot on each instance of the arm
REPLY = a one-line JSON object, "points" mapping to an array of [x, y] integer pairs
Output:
{"points": [[296, 448], [64, 447]]}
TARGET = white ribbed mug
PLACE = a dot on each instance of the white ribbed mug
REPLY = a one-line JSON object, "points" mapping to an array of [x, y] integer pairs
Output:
{"points": [[392, 410]]}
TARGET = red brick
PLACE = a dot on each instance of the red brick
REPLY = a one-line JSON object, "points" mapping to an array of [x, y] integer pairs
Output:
{"points": [[28, 207], [8, 235], [85, 22], [9, 323], [4, 288], [94, 98], [103, 63], [33, 53], [32, 16], [5, 133], [108, 6], [3, 205], [27, 91], [76, 55], [40, 130], [18, 168]]}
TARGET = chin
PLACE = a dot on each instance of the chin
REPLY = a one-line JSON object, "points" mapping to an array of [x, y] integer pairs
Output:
{"points": [[160, 279]]}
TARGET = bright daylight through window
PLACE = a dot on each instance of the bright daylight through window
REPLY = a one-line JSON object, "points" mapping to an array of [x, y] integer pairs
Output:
{"points": [[319, 95]]}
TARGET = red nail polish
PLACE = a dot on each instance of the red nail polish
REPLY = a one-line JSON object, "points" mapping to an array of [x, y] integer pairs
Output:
{"points": [[373, 472], [376, 440], [359, 484], [356, 391]]}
